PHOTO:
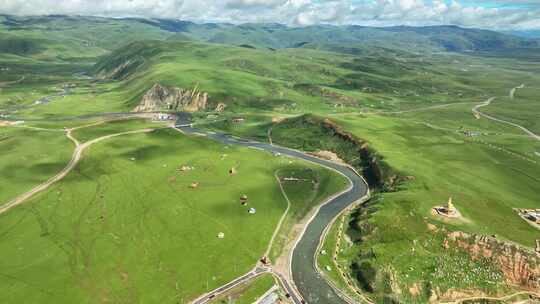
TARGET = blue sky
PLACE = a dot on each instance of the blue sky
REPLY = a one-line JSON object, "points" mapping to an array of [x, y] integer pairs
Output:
{"points": [[516, 4], [491, 14]]}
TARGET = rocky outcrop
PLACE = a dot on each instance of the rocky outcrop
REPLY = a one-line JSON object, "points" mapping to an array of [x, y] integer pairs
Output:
{"points": [[520, 265], [160, 98]]}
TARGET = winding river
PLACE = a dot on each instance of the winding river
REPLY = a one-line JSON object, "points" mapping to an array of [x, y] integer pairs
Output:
{"points": [[312, 287]]}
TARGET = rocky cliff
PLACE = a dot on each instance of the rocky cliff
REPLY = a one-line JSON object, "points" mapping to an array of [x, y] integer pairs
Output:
{"points": [[160, 98], [520, 266]]}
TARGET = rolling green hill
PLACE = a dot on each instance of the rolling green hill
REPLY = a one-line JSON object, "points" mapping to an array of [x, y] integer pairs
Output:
{"points": [[74, 37], [403, 94]]}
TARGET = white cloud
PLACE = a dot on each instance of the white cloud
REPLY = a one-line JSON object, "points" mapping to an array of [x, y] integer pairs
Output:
{"points": [[239, 4], [298, 12]]}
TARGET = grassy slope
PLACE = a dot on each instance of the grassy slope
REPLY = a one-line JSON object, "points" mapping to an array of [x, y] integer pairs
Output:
{"points": [[485, 181], [476, 176], [485, 184], [80, 38], [247, 79], [325, 260], [30, 157]]}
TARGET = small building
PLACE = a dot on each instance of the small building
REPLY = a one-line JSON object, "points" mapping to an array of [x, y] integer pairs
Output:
{"points": [[532, 215], [291, 179], [162, 117], [265, 260], [238, 120], [447, 210], [185, 168], [472, 133], [252, 211], [221, 235]]}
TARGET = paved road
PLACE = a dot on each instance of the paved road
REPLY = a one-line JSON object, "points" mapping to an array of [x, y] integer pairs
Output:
{"points": [[307, 280], [236, 282], [257, 271]]}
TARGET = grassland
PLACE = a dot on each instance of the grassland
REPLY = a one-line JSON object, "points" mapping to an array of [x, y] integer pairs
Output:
{"points": [[126, 226], [30, 157], [476, 176], [262, 80], [522, 109], [485, 183], [487, 176]]}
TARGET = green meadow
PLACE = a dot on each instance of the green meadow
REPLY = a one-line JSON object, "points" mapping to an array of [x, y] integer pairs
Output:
{"points": [[29, 157], [485, 184], [127, 226]]}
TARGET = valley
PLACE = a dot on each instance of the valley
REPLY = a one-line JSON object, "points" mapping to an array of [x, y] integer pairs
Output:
{"points": [[165, 161]]}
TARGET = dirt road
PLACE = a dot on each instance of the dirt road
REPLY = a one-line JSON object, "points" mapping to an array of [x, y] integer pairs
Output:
{"points": [[476, 111], [513, 90], [75, 158]]}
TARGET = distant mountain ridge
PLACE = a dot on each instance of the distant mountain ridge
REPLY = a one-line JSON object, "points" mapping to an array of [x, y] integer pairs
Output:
{"points": [[447, 37], [86, 31]]}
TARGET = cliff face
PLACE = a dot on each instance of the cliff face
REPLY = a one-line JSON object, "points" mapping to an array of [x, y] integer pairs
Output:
{"points": [[323, 134], [520, 266], [375, 171], [174, 99]]}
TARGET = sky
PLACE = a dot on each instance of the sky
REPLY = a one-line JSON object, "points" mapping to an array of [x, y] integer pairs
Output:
{"points": [[491, 14]]}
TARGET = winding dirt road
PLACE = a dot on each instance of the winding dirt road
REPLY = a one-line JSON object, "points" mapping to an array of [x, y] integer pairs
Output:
{"points": [[486, 103], [8, 83], [513, 91], [75, 158]]}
